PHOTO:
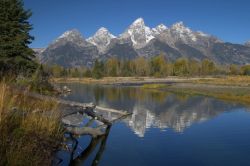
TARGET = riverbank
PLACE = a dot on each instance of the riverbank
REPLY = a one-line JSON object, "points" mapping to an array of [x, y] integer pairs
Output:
{"points": [[30, 128], [229, 92], [231, 88]]}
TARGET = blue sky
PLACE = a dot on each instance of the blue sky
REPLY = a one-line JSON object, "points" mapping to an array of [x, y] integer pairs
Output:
{"points": [[227, 19]]}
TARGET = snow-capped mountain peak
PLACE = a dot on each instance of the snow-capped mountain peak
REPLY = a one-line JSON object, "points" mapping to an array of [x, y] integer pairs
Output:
{"points": [[139, 34], [70, 33], [101, 39], [180, 27], [73, 36], [183, 32], [138, 21], [159, 29], [104, 31]]}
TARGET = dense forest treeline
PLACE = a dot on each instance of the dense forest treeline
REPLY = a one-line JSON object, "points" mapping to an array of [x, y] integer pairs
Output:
{"points": [[155, 67]]}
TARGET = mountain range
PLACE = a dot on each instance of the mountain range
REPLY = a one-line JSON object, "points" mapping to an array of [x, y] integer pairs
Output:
{"points": [[71, 49]]}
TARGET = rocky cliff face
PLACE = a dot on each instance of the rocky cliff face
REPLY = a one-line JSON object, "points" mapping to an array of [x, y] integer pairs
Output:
{"points": [[69, 50]]}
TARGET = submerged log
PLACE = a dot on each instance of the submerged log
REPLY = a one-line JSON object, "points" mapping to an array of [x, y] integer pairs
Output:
{"points": [[94, 132], [111, 110], [117, 119], [121, 117]]}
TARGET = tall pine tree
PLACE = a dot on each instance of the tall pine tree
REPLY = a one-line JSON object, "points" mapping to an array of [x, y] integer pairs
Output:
{"points": [[15, 55]]}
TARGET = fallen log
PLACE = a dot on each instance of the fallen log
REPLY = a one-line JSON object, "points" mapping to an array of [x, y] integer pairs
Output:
{"points": [[90, 112]]}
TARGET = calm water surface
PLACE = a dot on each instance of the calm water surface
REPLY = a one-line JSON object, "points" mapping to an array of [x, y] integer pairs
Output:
{"points": [[166, 129]]}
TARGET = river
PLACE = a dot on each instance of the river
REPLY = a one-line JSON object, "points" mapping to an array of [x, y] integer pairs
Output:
{"points": [[165, 129]]}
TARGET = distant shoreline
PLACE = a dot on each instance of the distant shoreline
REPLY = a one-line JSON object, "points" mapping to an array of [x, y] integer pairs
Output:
{"points": [[128, 80], [241, 81]]}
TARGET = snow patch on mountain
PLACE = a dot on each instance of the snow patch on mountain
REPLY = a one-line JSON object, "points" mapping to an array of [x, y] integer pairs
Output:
{"points": [[149, 34]]}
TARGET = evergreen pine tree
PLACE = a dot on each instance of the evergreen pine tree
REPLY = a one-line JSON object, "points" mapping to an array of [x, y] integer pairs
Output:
{"points": [[15, 55]]}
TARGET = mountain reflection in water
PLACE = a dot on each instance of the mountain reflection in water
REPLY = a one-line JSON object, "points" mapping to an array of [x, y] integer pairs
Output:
{"points": [[152, 108]]}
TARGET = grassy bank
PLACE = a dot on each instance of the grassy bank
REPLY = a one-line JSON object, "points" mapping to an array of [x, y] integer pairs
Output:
{"points": [[228, 93], [227, 81], [30, 128]]}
